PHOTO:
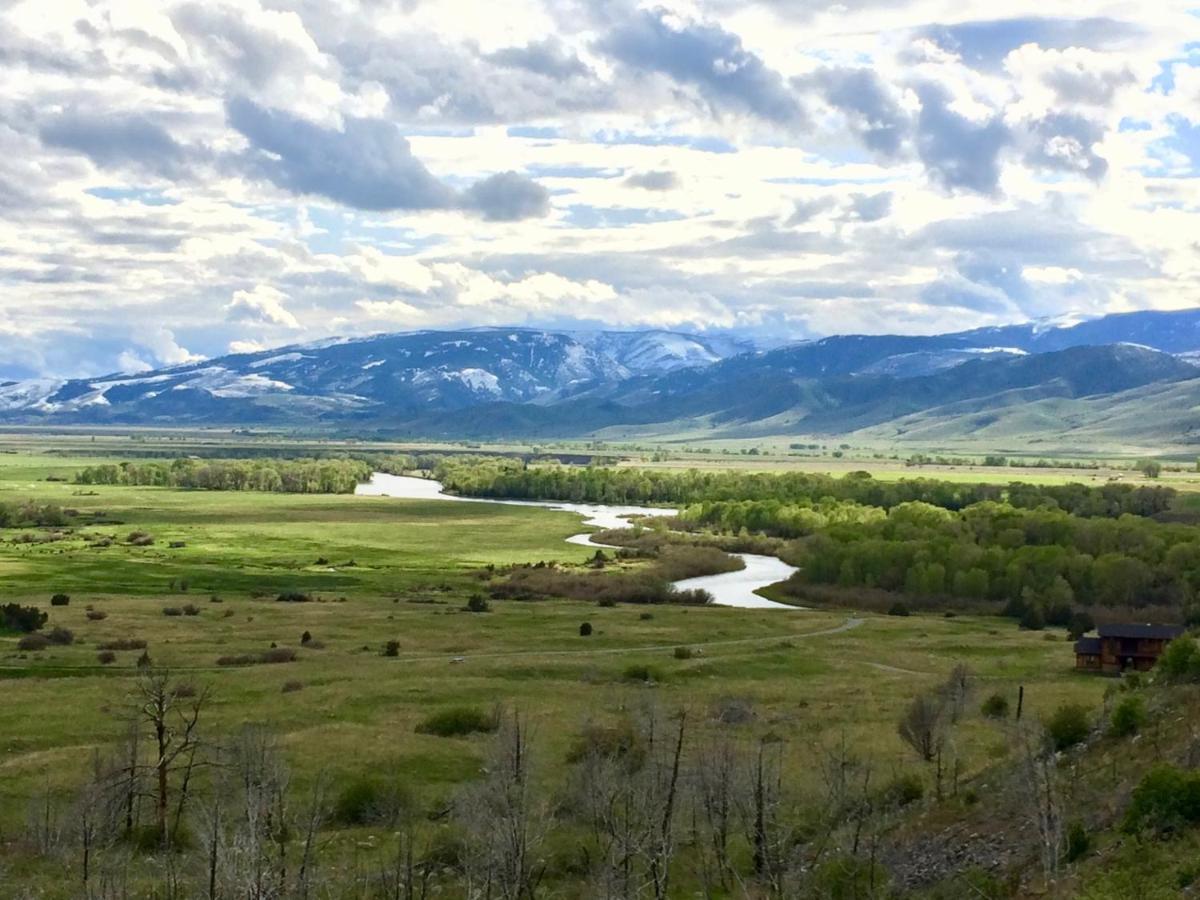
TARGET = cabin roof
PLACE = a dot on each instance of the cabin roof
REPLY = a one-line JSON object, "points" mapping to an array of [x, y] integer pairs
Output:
{"points": [[1088, 645], [1139, 631]]}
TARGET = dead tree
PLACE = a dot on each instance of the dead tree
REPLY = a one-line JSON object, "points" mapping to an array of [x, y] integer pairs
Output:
{"points": [[503, 820], [957, 691], [716, 779], [172, 716], [1038, 778], [923, 726]]}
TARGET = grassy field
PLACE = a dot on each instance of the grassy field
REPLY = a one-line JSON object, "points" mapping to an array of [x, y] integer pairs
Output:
{"points": [[811, 677]]}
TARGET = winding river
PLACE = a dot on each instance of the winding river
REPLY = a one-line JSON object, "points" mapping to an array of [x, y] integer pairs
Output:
{"points": [[728, 589]]}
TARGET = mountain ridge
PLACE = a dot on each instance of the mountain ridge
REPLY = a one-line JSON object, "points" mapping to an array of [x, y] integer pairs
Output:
{"points": [[523, 382]]}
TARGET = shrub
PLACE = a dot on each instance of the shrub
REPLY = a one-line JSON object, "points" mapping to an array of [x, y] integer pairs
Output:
{"points": [[370, 801], [391, 648], [273, 655], [683, 653], [96, 615], [60, 600], [1078, 842], [144, 661], [293, 597], [459, 721], [1180, 661], [611, 742], [14, 617], [306, 638], [645, 617], [1128, 717], [104, 657], [1166, 800], [641, 672], [60, 636], [1081, 623], [33, 642], [898, 609], [1032, 619], [290, 687], [904, 789], [124, 644], [191, 609], [175, 545], [478, 604], [995, 707], [1069, 725], [139, 539], [585, 630], [734, 711], [172, 611]]}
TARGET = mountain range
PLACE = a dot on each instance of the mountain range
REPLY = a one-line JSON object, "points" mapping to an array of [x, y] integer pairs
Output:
{"points": [[1125, 379]]}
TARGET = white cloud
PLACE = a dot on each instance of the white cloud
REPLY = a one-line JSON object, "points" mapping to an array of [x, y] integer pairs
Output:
{"points": [[141, 228]]}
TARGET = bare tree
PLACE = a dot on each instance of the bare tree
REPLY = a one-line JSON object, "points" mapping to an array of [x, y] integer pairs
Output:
{"points": [[1039, 781], [957, 691], [923, 726], [504, 823], [716, 781], [172, 715]]}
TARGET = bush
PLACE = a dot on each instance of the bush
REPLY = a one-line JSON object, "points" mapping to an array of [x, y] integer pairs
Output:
{"points": [[1180, 661], [459, 721], [139, 539], [1078, 842], [96, 615], [124, 644], [903, 790], [293, 597], [1032, 619], [34, 642], [391, 648], [898, 609], [370, 801], [274, 655], [306, 638], [104, 657], [645, 617], [191, 609], [995, 707], [683, 652], [1166, 800], [144, 661], [641, 672], [60, 636], [60, 600], [290, 687], [172, 611], [1070, 725], [478, 604], [585, 630], [1128, 717], [14, 617], [611, 742]]}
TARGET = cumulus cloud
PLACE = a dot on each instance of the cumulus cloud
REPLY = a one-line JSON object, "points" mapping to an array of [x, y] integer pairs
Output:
{"points": [[263, 305], [959, 153], [368, 164], [708, 58], [115, 140], [654, 181], [187, 179]]}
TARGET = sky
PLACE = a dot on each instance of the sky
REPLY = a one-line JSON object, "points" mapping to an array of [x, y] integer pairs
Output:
{"points": [[180, 180]]}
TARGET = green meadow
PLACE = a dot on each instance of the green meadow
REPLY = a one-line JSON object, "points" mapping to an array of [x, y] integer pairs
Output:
{"points": [[380, 570]]}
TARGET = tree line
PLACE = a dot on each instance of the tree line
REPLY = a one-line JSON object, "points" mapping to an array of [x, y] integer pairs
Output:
{"points": [[599, 484], [1041, 562], [289, 476]]}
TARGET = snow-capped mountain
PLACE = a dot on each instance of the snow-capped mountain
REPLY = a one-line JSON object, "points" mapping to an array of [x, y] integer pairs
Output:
{"points": [[392, 375]]}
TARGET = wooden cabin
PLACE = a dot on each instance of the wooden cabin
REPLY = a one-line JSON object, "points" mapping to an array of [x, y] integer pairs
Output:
{"points": [[1121, 648]]}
